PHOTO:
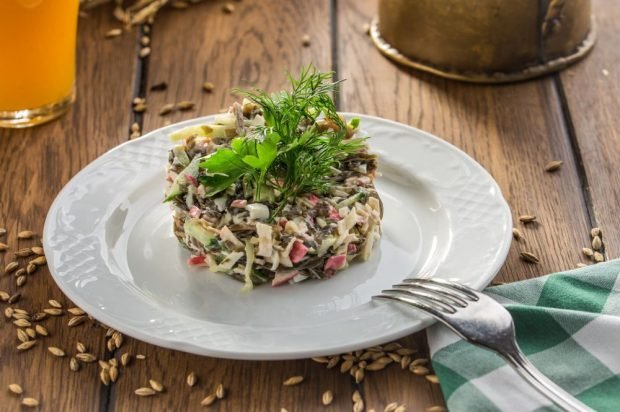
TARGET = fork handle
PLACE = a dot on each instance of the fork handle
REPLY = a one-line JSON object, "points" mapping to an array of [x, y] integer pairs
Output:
{"points": [[543, 384]]}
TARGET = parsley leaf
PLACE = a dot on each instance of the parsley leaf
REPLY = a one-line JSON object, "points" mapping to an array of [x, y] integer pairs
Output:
{"points": [[222, 169]]}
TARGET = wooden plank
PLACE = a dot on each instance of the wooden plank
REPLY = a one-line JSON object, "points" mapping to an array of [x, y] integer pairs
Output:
{"points": [[591, 89], [36, 163], [250, 385], [254, 46], [512, 130]]}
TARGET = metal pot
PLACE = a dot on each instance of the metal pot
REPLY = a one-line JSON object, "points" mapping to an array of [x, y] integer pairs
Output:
{"points": [[485, 41]]}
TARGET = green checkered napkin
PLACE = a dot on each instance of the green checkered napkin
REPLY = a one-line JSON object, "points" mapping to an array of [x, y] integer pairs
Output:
{"points": [[568, 325]]}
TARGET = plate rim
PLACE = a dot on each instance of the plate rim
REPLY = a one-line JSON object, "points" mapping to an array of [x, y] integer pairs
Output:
{"points": [[417, 324]]}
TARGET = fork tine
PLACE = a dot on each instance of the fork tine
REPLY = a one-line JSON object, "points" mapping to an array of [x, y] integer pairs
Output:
{"points": [[459, 286], [451, 298], [420, 303], [428, 284], [465, 291], [445, 304], [411, 301], [427, 298]]}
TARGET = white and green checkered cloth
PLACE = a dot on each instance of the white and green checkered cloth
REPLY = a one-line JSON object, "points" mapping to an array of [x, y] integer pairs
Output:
{"points": [[568, 325]]}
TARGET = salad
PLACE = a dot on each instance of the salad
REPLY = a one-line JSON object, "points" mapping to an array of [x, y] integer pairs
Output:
{"points": [[279, 189]]}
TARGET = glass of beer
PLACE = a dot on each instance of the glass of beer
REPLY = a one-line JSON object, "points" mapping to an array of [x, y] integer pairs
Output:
{"points": [[37, 60]]}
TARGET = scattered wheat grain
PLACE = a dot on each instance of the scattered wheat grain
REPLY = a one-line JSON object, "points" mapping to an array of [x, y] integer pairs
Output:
{"points": [[25, 234], [16, 389], [145, 392], [56, 351], [208, 400], [293, 380], [26, 345], [220, 391], [110, 34], [125, 359], [30, 402], [327, 398], [41, 330]]}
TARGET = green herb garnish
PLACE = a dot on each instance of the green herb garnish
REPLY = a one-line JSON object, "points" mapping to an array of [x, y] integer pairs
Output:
{"points": [[291, 153]]}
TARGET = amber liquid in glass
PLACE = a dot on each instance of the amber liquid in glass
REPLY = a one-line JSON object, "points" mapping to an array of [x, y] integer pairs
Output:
{"points": [[37, 60]]}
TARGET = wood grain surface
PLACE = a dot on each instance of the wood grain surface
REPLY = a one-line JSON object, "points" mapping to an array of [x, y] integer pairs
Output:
{"points": [[36, 164], [203, 44], [512, 130], [592, 90], [257, 53]]}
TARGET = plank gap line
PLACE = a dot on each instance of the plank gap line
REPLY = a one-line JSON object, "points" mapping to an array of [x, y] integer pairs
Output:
{"points": [[576, 150]]}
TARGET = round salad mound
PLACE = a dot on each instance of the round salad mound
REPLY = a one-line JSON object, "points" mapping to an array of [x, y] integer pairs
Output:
{"points": [[279, 189]]}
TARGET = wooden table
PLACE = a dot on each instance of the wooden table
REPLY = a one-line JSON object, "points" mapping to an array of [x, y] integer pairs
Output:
{"points": [[512, 130]]}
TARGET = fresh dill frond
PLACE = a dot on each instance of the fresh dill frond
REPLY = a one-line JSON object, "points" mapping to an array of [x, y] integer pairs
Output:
{"points": [[294, 152], [310, 97]]}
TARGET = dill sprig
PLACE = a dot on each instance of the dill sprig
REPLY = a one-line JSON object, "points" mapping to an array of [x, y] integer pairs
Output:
{"points": [[310, 96], [292, 152]]}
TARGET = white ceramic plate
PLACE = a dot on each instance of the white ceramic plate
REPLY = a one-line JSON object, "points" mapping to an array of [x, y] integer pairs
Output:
{"points": [[110, 248]]}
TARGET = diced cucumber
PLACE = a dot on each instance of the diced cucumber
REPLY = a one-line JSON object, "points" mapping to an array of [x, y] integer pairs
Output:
{"points": [[181, 179], [351, 200], [325, 245], [226, 119], [221, 131], [189, 131], [181, 155], [197, 229]]}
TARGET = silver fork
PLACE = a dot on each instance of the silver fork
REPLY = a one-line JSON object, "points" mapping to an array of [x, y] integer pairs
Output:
{"points": [[482, 321]]}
